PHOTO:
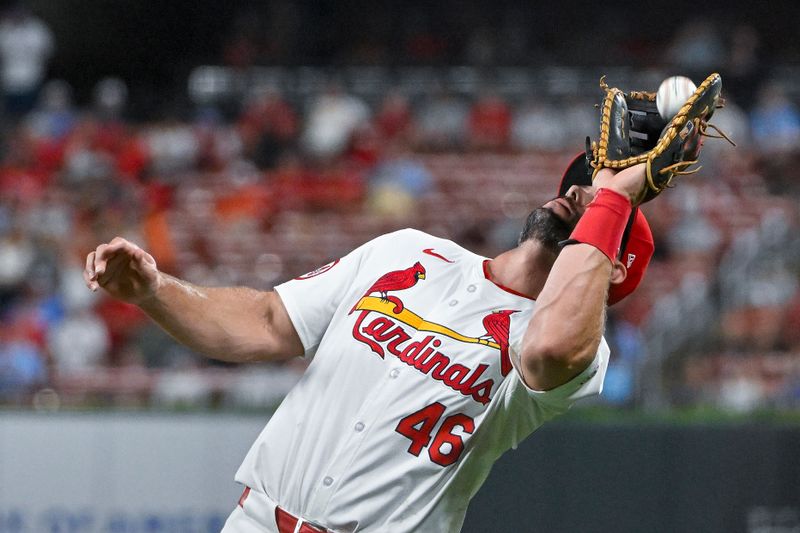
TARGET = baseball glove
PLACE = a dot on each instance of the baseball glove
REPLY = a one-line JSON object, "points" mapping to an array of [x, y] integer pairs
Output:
{"points": [[632, 132]]}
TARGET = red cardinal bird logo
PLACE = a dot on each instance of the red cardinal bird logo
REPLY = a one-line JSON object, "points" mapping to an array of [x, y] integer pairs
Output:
{"points": [[497, 326], [396, 280]]}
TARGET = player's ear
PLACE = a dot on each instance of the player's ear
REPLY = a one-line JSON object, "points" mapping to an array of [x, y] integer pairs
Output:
{"points": [[618, 273]]}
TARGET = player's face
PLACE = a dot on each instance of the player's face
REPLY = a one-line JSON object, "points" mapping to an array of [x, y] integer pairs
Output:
{"points": [[555, 220], [571, 206]]}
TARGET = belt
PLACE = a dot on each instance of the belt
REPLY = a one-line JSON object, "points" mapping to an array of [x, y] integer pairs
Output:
{"points": [[286, 521]]}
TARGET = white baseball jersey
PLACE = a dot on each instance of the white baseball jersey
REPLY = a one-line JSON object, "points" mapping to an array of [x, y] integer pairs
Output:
{"points": [[410, 396]]}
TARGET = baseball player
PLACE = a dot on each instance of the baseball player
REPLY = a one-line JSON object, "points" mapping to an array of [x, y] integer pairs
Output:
{"points": [[427, 362]]}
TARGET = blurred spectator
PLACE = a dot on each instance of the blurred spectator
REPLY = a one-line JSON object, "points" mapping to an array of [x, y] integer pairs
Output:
{"points": [[247, 200], [740, 387], [736, 124], [158, 350], [628, 346], [132, 157], [366, 146], [775, 120], [746, 65], [489, 123], [299, 186], [156, 228], [442, 122], [579, 121], [85, 163], [394, 117], [22, 364], [332, 119], [51, 219], [17, 254], [123, 321], [268, 127], [53, 117], [790, 326], [538, 126], [219, 145], [398, 182], [26, 44], [693, 238], [172, 147], [79, 343], [696, 48], [762, 303], [28, 168], [110, 97], [72, 293]]}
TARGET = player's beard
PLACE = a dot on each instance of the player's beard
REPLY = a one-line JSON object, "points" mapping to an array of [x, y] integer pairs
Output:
{"points": [[546, 227]]}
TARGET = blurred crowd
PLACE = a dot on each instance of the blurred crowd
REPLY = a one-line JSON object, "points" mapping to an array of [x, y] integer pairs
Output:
{"points": [[278, 183]]}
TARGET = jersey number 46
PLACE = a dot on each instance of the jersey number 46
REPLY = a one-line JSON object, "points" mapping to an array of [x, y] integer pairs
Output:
{"points": [[447, 446]]}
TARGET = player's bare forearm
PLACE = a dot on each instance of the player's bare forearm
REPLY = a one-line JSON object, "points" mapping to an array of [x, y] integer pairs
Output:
{"points": [[235, 324], [565, 330], [231, 324]]}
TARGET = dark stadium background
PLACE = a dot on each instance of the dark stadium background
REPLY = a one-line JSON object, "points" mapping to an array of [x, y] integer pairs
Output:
{"points": [[154, 45]]}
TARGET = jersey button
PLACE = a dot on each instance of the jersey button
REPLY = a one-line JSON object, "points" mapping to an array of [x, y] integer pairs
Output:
{"points": [[471, 288], [394, 373], [359, 426], [328, 481], [453, 303]]}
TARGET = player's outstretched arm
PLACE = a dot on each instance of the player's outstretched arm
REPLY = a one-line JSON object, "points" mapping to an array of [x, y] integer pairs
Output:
{"points": [[565, 331], [231, 324]]}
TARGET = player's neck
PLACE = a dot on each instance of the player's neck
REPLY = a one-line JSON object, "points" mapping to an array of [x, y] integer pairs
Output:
{"points": [[523, 269]]}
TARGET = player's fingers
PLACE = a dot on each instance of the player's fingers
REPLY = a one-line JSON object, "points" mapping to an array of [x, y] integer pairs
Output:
{"points": [[89, 269], [143, 263], [88, 272], [106, 251], [100, 258], [113, 247], [148, 259]]}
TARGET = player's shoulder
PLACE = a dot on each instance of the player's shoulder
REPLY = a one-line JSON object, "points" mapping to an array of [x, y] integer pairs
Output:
{"points": [[410, 239], [412, 235]]}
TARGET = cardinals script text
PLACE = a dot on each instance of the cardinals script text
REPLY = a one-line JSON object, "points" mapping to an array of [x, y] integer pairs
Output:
{"points": [[383, 334]]}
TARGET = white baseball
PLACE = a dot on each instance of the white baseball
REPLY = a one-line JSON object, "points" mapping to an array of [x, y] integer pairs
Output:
{"points": [[672, 94]]}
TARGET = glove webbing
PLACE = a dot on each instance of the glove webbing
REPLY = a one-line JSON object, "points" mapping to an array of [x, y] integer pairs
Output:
{"points": [[674, 127]]}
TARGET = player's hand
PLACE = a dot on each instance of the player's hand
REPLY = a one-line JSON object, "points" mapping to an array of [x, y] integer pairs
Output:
{"points": [[628, 182], [123, 269]]}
